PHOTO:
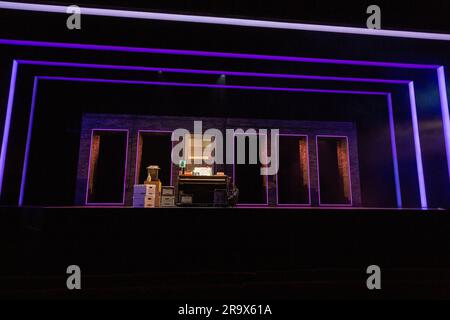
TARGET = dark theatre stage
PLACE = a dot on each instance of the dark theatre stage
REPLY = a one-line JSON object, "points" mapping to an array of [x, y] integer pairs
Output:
{"points": [[225, 253], [86, 175]]}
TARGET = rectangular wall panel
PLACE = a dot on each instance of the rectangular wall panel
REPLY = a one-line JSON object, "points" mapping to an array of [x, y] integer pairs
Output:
{"points": [[292, 180], [154, 148], [253, 187], [107, 167], [333, 170]]}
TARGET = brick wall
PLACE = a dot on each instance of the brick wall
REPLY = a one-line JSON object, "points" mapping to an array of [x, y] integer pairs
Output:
{"points": [[134, 123]]}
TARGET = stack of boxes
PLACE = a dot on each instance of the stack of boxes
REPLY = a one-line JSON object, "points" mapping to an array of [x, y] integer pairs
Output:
{"points": [[139, 193], [151, 194], [147, 195]]}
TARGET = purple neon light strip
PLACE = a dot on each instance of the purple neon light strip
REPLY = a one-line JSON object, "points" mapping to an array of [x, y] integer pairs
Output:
{"points": [[65, 64], [200, 71], [445, 112], [29, 140], [12, 88], [213, 54], [420, 174], [231, 55], [309, 178], [217, 86], [216, 72], [27, 147], [210, 72], [349, 171], [146, 15], [394, 152], [124, 173]]}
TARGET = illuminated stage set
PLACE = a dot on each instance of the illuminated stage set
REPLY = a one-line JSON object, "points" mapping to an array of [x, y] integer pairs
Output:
{"points": [[135, 142], [364, 134], [381, 141]]}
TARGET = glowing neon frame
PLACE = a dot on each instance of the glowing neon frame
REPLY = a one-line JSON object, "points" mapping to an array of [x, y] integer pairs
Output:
{"points": [[393, 144], [243, 74], [209, 72], [158, 83], [440, 73], [214, 54]]}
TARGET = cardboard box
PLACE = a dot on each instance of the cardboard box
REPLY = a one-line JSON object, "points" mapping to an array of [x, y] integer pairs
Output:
{"points": [[168, 191], [142, 189], [153, 185], [146, 195], [152, 202], [167, 201]]}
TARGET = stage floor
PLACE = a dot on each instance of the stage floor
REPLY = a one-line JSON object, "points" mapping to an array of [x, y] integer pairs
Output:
{"points": [[269, 252], [241, 207]]}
